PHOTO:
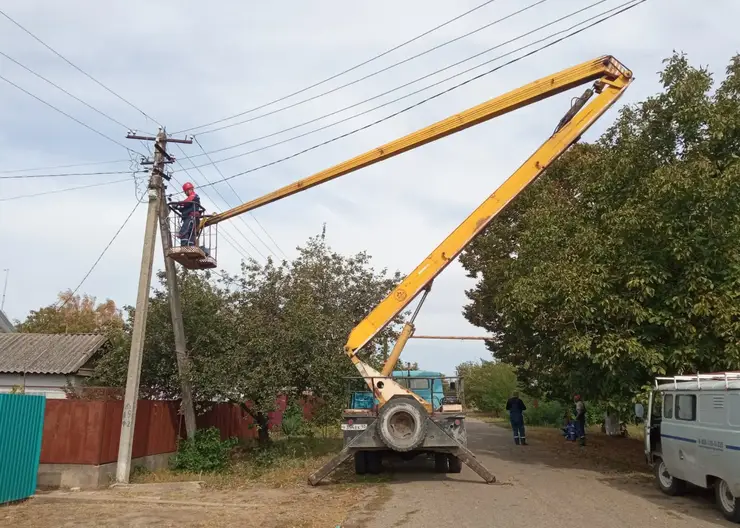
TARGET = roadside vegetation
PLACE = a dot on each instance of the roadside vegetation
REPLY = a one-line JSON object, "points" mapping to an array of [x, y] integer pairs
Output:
{"points": [[622, 263]]}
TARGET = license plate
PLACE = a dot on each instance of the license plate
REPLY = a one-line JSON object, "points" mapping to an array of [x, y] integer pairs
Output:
{"points": [[354, 427]]}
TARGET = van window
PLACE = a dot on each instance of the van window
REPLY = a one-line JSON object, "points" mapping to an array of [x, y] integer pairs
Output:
{"points": [[657, 410], [686, 407], [712, 409], [734, 407], [668, 406]]}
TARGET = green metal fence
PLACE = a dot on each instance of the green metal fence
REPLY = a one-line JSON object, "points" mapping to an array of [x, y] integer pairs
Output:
{"points": [[21, 428]]}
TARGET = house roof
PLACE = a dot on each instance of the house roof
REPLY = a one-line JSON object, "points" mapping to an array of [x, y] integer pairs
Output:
{"points": [[5, 324], [47, 353]]}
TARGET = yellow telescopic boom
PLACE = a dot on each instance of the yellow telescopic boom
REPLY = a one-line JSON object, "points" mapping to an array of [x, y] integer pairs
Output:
{"points": [[610, 78]]}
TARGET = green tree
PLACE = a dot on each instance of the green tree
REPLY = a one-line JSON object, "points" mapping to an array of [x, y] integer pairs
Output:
{"points": [[487, 384], [273, 329], [74, 314], [623, 261], [294, 319]]}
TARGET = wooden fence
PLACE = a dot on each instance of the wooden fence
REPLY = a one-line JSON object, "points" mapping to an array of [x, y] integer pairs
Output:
{"points": [[88, 431]]}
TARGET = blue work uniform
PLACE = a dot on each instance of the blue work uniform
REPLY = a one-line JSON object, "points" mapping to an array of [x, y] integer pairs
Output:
{"points": [[189, 211], [516, 409]]}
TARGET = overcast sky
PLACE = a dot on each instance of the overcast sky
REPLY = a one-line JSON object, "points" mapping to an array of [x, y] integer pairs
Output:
{"points": [[187, 63]]}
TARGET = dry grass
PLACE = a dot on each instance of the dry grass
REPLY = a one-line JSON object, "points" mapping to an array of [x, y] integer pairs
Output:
{"points": [[602, 453], [287, 462], [264, 488]]}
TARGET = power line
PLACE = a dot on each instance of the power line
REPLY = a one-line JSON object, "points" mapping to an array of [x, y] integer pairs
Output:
{"points": [[105, 249], [67, 115], [376, 57], [66, 189], [55, 52], [242, 201], [632, 4], [65, 175], [53, 167], [373, 74], [116, 121], [410, 94]]}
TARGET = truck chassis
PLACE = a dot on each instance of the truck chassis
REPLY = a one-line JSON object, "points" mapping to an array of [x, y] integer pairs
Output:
{"points": [[445, 438]]}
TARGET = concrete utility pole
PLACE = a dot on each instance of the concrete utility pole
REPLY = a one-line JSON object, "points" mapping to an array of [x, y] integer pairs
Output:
{"points": [[5, 287], [183, 361], [128, 421], [123, 469]]}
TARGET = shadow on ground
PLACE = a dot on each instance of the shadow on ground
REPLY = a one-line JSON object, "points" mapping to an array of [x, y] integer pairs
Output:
{"points": [[620, 463]]}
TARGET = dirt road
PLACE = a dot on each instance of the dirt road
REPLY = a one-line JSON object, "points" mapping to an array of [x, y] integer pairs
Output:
{"points": [[533, 489]]}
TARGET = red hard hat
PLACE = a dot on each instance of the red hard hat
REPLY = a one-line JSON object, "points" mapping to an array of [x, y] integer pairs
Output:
{"points": [[187, 186]]}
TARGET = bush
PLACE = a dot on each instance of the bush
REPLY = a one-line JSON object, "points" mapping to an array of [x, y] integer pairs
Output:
{"points": [[204, 452], [293, 423], [546, 413]]}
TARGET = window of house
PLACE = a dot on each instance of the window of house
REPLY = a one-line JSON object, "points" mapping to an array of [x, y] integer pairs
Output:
{"points": [[686, 407]]}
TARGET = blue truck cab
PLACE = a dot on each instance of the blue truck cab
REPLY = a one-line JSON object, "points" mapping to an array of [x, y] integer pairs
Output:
{"points": [[427, 384]]}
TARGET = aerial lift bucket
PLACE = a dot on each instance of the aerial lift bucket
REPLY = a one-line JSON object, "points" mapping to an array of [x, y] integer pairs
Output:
{"points": [[202, 254]]}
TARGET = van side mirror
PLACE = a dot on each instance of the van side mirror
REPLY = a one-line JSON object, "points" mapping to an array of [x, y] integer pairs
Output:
{"points": [[639, 411]]}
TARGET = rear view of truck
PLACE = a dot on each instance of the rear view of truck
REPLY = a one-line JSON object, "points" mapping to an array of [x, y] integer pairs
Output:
{"points": [[404, 428]]}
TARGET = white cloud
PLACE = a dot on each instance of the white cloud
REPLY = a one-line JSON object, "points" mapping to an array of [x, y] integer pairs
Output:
{"points": [[188, 63]]}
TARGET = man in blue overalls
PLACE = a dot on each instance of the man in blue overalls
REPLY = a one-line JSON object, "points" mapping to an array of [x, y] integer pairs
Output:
{"points": [[189, 210], [516, 409]]}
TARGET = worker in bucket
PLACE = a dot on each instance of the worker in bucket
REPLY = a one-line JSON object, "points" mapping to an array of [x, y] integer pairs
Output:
{"points": [[189, 211], [516, 409]]}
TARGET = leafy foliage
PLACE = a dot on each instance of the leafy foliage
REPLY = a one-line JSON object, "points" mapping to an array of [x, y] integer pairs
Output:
{"points": [[545, 413], [487, 385], [204, 452], [273, 329], [74, 314], [623, 261], [293, 423]]}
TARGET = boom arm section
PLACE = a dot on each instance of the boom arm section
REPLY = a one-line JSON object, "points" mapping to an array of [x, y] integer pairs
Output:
{"points": [[607, 68], [575, 123]]}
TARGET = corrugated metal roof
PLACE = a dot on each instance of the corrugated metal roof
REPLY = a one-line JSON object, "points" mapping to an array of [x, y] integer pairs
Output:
{"points": [[47, 353]]}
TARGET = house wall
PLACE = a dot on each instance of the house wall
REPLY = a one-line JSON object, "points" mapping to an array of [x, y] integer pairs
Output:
{"points": [[50, 385]]}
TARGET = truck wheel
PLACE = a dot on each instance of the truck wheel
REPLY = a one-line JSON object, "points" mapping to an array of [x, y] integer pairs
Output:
{"points": [[667, 483], [402, 424], [727, 502], [440, 462], [360, 462], [374, 462], [455, 464]]}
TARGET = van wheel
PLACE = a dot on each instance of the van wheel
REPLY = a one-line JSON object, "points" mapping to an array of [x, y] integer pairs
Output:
{"points": [[360, 462], [727, 502], [667, 483]]}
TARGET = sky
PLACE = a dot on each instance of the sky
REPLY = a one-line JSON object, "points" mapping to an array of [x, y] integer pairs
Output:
{"points": [[185, 64]]}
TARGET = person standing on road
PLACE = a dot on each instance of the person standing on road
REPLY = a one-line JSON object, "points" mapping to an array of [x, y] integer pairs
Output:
{"points": [[516, 409], [580, 420]]}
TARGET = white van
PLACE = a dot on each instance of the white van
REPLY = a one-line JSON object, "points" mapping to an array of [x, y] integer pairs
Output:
{"points": [[692, 434]]}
